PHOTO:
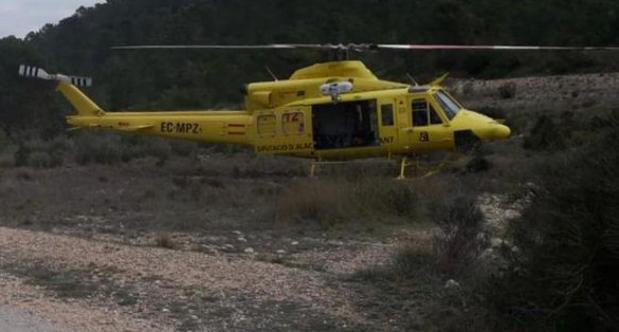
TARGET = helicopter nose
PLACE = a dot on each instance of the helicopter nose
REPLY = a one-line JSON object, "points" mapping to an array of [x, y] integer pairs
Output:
{"points": [[501, 132], [494, 132]]}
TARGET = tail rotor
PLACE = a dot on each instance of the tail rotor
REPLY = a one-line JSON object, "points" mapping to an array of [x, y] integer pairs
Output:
{"points": [[39, 73]]}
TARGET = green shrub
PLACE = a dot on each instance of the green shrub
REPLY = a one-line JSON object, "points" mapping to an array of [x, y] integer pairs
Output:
{"points": [[545, 135], [165, 241], [7, 161], [42, 154], [40, 159], [183, 148], [98, 148], [564, 275], [507, 90], [477, 164], [462, 237]]}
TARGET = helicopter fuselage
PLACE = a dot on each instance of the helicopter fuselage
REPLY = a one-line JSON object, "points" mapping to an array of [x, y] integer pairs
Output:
{"points": [[294, 118]]}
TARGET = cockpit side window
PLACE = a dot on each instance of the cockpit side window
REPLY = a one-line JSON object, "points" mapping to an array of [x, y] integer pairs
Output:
{"points": [[420, 112], [434, 118], [424, 114]]}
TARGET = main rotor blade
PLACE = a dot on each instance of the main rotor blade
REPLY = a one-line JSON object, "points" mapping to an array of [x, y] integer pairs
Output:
{"points": [[429, 47], [230, 47], [370, 47]]}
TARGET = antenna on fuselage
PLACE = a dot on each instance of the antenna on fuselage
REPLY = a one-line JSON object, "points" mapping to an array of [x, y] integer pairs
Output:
{"points": [[412, 79], [271, 73]]}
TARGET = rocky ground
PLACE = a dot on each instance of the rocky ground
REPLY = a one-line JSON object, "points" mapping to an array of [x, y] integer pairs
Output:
{"points": [[565, 92], [101, 286], [107, 248]]}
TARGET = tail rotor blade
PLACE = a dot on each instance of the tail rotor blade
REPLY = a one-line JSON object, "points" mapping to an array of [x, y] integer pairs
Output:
{"points": [[39, 73], [33, 72], [81, 81]]}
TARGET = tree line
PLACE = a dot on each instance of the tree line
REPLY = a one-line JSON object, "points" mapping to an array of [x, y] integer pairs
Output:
{"points": [[81, 44]]}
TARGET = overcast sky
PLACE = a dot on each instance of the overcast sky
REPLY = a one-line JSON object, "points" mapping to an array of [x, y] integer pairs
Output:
{"points": [[18, 17]]}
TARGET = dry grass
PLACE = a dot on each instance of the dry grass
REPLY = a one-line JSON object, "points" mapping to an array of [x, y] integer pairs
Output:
{"points": [[6, 160], [166, 241], [338, 201]]}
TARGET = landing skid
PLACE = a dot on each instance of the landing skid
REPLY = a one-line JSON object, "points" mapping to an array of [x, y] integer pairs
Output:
{"points": [[405, 163], [424, 171], [318, 163]]}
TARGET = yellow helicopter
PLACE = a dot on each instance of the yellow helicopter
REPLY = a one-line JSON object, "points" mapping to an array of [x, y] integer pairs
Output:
{"points": [[337, 110]]}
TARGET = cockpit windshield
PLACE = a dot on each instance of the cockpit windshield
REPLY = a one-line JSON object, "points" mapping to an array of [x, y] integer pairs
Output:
{"points": [[449, 105]]}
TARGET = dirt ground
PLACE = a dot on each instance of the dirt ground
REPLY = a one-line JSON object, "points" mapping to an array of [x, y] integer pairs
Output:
{"points": [[197, 245], [133, 247]]}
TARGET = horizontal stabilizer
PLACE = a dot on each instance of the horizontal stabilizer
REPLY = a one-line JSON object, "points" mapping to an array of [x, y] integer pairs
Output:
{"points": [[130, 129], [34, 72], [135, 128]]}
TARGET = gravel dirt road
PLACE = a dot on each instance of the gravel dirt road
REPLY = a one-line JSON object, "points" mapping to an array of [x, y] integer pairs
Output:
{"points": [[18, 321], [88, 285]]}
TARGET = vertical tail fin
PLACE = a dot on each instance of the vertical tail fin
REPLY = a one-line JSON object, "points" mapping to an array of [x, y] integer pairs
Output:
{"points": [[82, 104], [67, 85]]}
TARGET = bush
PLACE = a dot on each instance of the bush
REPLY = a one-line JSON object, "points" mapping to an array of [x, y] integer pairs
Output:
{"points": [[462, 236], [565, 274], [165, 241], [477, 164], [42, 154], [6, 161], [324, 202], [184, 148], [133, 147], [40, 159], [545, 135], [507, 90], [98, 148], [568, 129], [112, 148], [493, 112], [7, 151]]}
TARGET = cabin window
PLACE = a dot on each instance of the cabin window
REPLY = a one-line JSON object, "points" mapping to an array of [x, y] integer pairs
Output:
{"points": [[293, 123], [386, 112], [345, 125], [267, 124], [420, 113]]}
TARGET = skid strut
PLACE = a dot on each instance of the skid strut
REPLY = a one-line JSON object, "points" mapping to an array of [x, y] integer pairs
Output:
{"points": [[315, 164], [403, 164]]}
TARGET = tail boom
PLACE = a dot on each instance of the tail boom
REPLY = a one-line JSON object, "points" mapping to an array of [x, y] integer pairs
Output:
{"points": [[231, 127]]}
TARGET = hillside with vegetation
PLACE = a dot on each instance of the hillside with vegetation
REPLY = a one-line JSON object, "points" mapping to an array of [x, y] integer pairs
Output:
{"points": [[519, 235], [81, 44]]}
